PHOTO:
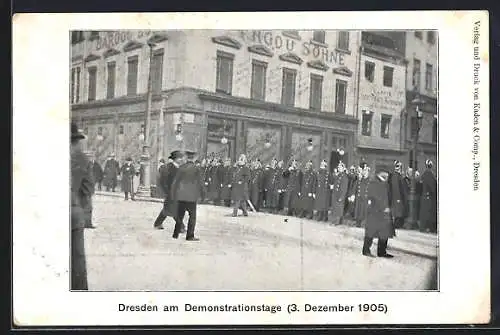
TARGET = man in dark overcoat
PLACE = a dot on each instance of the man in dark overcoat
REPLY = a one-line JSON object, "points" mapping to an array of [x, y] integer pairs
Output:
{"points": [[279, 186], [339, 195], [89, 191], [308, 191], [204, 167], [81, 186], [128, 173], [97, 173], [226, 182], [185, 192], [167, 176], [378, 223], [361, 195], [428, 199], [269, 178], [241, 178], [322, 200], [159, 189], [351, 190], [257, 177], [111, 173], [398, 198], [292, 194]]}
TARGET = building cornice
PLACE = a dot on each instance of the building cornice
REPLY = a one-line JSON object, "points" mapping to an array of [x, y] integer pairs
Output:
{"points": [[125, 100], [381, 150], [275, 107]]}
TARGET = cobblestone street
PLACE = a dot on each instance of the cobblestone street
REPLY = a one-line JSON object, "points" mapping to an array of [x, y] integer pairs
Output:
{"points": [[259, 252]]}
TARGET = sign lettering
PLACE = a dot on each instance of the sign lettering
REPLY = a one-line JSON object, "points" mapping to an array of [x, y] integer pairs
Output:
{"points": [[112, 39], [281, 43]]}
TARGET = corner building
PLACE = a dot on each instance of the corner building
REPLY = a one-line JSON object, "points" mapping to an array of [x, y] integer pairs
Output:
{"points": [[264, 93]]}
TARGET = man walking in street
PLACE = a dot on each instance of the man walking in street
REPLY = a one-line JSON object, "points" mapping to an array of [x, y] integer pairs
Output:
{"points": [[167, 175], [339, 195], [185, 192], [397, 195], [97, 173], [111, 173], [241, 180], [81, 186], [128, 172], [428, 200]]}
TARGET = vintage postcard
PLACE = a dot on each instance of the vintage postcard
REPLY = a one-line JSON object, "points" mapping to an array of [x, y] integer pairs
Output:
{"points": [[251, 168]]}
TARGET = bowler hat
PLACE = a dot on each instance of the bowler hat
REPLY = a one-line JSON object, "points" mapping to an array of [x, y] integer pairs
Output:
{"points": [[175, 154], [76, 134]]}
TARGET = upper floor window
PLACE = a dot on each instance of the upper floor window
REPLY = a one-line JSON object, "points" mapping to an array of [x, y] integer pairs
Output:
{"points": [[316, 89], [224, 76], [431, 37], [132, 73], [94, 35], [343, 40], [340, 96], [428, 76], [319, 36], [77, 37], [75, 85], [385, 123], [416, 74], [418, 34], [258, 85], [110, 92], [92, 83], [157, 71], [366, 123], [388, 76], [288, 87], [370, 71]]}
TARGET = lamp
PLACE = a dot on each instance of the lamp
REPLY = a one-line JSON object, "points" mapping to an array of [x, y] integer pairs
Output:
{"points": [[99, 137], [178, 132], [267, 144], [223, 140], [340, 151], [141, 137], [179, 137], [310, 145]]}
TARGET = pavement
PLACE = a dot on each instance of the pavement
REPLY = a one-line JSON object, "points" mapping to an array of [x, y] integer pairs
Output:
{"points": [[259, 252]]}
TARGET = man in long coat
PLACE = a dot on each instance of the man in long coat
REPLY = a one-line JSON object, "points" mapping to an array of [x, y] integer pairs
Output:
{"points": [[308, 191], [159, 189], [226, 173], [257, 177], [81, 186], [241, 178], [128, 173], [167, 176], [111, 173], [292, 194], [215, 178], [185, 192], [378, 223], [339, 195], [89, 191], [351, 190], [204, 168], [361, 194], [398, 198], [428, 199], [322, 200], [269, 191], [279, 187]]}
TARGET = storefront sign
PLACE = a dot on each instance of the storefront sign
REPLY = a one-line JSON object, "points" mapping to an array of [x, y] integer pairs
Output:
{"points": [[113, 39], [383, 99], [277, 42]]}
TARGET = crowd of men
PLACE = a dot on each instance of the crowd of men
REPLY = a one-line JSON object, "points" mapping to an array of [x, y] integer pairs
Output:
{"points": [[337, 197]]}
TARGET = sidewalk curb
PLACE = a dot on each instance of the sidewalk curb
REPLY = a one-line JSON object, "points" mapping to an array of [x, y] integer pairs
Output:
{"points": [[351, 233]]}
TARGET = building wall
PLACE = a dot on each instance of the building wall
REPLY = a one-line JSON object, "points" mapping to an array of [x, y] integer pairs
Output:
{"points": [[378, 99], [200, 64], [426, 53]]}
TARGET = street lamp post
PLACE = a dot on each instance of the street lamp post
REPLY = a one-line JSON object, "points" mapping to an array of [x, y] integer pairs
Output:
{"points": [[412, 217], [145, 190]]}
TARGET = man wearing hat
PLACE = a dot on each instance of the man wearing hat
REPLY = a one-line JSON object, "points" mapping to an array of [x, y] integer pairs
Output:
{"points": [[185, 192], [396, 192], [361, 194], [292, 195], [308, 191], [111, 172], [241, 181], [322, 192], [339, 195], [128, 172], [97, 172], [81, 190], [428, 199], [167, 175], [159, 189]]}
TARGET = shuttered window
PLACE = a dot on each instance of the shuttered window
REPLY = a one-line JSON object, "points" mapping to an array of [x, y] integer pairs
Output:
{"points": [[224, 77], [316, 89], [340, 96], [258, 86], [132, 72], [343, 40], [157, 71], [110, 92], [92, 83]]}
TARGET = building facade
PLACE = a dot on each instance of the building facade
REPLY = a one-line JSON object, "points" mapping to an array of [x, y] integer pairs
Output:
{"points": [[382, 98], [422, 81], [283, 94]]}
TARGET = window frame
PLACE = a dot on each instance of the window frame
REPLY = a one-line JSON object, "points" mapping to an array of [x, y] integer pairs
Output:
{"points": [[263, 67], [429, 77], [323, 35], [92, 85], [285, 72], [366, 113], [388, 69], [372, 64], [347, 40], [132, 59], [157, 80], [317, 79], [112, 94], [388, 118], [338, 83], [221, 55]]}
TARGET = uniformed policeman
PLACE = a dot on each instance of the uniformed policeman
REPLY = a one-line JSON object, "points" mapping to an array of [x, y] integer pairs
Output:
{"points": [[308, 191], [241, 178], [226, 173], [294, 178], [323, 191], [339, 195], [397, 195], [361, 195]]}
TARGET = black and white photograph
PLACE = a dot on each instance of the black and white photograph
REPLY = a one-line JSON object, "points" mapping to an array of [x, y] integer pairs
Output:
{"points": [[265, 164]]}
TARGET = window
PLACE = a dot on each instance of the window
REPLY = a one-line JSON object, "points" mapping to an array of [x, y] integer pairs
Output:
{"points": [[385, 124], [418, 34], [388, 73], [72, 86], [75, 85], [76, 37], [434, 131], [224, 77], [157, 71], [288, 87], [431, 37], [340, 96], [370, 71], [414, 126], [122, 130], [92, 83], [416, 74], [319, 36], [132, 71], [99, 131], [366, 123], [428, 76], [94, 35], [110, 92], [258, 86], [316, 89], [343, 40]]}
